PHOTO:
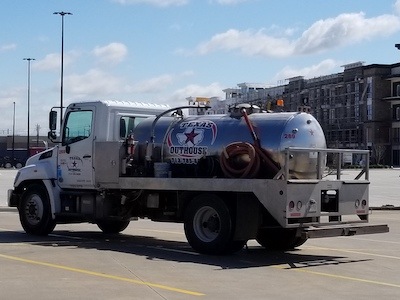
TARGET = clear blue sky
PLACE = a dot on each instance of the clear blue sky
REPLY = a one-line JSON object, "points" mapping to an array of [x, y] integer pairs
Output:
{"points": [[162, 51]]}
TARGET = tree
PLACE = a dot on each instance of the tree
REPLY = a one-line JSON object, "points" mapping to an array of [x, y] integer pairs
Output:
{"points": [[378, 152]]}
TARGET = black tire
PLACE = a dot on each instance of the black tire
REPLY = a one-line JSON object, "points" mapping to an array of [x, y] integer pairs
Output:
{"points": [[209, 226], [35, 211], [279, 239], [112, 226]]}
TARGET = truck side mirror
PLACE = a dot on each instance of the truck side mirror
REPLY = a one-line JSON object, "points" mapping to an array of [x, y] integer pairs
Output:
{"points": [[51, 135], [53, 120]]}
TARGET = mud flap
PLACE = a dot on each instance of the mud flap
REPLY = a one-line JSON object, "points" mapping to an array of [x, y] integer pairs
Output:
{"points": [[248, 217]]}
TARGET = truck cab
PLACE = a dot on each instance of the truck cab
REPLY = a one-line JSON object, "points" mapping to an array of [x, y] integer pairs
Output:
{"points": [[88, 123], [70, 166]]}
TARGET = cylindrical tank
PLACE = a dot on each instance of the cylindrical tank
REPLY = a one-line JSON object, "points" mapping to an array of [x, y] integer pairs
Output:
{"points": [[187, 141]]}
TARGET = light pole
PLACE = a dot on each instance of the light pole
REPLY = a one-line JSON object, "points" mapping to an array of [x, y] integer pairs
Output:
{"points": [[29, 96], [13, 136], [62, 14]]}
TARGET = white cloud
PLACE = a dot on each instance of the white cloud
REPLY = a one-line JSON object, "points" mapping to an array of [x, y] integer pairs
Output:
{"points": [[7, 97], [325, 67], [8, 47], [247, 42], [112, 53], [159, 83], [229, 2], [342, 30], [154, 85], [159, 3], [194, 90], [52, 61], [95, 82], [397, 7]]}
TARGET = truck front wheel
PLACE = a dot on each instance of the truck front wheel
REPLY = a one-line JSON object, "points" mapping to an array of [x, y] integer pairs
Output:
{"points": [[35, 212], [112, 226], [209, 226]]}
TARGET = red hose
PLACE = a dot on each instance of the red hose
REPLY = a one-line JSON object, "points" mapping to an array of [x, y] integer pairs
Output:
{"points": [[234, 164], [243, 160]]}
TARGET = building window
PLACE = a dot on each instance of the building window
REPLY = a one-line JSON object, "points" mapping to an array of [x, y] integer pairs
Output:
{"points": [[396, 112], [357, 103], [396, 135], [332, 116], [396, 89], [369, 99]]}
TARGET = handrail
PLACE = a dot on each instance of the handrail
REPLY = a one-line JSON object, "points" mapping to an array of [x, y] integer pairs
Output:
{"points": [[321, 154]]}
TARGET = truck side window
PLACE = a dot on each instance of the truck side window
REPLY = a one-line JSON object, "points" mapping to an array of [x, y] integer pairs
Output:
{"points": [[77, 127], [127, 124]]}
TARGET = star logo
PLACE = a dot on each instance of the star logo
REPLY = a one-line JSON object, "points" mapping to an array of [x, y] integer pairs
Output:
{"points": [[311, 132], [190, 136]]}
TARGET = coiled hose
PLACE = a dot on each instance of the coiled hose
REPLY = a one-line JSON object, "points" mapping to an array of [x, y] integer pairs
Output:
{"points": [[244, 160]]}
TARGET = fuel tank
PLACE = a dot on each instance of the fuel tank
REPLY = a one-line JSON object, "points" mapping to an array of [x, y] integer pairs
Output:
{"points": [[204, 142]]}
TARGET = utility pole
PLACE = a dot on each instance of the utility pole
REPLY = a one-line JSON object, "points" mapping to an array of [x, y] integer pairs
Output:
{"points": [[29, 95], [37, 134], [62, 14], [13, 134]]}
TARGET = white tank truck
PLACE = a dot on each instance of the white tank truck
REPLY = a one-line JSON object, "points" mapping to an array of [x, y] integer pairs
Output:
{"points": [[229, 178]]}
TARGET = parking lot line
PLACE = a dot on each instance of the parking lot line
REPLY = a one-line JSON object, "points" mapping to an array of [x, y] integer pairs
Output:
{"points": [[103, 275], [353, 251], [339, 276]]}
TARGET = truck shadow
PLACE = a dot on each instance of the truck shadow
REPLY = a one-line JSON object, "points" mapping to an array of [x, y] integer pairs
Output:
{"points": [[159, 249]]}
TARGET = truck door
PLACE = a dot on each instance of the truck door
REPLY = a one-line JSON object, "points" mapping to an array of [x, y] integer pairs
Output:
{"points": [[75, 155]]}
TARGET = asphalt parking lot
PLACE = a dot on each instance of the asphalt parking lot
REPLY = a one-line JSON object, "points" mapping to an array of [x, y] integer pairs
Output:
{"points": [[154, 261]]}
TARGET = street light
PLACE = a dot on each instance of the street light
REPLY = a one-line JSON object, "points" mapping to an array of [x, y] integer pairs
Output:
{"points": [[29, 95], [62, 14], [13, 136]]}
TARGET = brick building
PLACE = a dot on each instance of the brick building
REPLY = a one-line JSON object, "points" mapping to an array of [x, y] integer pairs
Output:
{"points": [[358, 108]]}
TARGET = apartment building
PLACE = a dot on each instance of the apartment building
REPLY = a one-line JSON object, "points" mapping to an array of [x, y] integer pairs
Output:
{"points": [[358, 108]]}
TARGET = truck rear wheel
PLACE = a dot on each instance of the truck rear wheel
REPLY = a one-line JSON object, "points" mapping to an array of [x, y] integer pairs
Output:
{"points": [[35, 212], [209, 226], [112, 226], [279, 239]]}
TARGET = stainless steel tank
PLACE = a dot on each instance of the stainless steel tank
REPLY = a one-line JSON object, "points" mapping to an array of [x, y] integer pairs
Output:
{"points": [[192, 140]]}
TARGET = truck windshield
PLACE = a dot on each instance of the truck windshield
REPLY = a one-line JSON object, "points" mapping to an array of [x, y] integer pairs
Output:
{"points": [[77, 127]]}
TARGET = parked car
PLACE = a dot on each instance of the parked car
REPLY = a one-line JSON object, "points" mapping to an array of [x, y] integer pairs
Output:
{"points": [[7, 162]]}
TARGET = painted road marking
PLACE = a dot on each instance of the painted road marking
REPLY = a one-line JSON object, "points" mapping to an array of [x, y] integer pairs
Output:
{"points": [[352, 251], [339, 276], [372, 240], [108, 276]]}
